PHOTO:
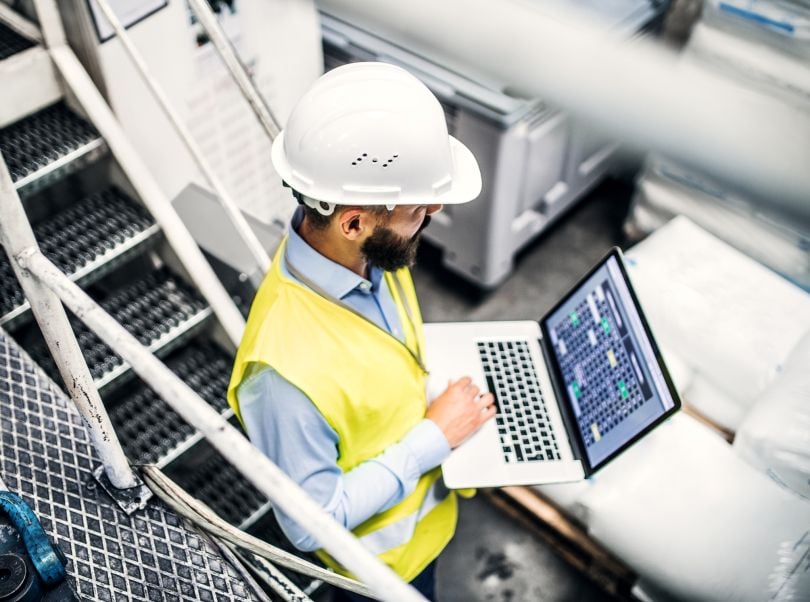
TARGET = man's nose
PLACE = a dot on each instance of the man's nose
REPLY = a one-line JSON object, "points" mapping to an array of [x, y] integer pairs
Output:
{"points": [[431, 209]]}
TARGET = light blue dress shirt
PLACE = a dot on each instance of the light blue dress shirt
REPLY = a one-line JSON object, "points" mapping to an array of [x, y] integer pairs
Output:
{"points": [[284, 424]]}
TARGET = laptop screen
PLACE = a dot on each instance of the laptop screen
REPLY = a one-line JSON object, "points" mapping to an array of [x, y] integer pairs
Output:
{"points": [[607, 362]]}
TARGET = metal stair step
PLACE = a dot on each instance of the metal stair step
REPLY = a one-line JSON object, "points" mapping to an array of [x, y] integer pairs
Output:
{"points": [[149, 430], [218, 484], [12, 43], [159, 310], [86, 241], [215, 482], [47, 146]]}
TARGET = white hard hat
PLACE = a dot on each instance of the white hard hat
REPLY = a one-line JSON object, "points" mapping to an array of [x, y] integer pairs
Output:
{"points": [[373, 134]]}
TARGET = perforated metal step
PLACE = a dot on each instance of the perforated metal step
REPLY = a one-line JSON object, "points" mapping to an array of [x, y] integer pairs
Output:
{"points": [[48, 145], [12, 43], [159, 310], [86, 241], [149, 430], [211, 479], [217, 483]]}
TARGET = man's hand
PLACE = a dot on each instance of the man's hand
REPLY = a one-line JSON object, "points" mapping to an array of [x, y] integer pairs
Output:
{"points": [[461, 410]]}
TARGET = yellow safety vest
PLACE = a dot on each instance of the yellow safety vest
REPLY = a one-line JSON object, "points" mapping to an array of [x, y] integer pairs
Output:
{"points": [[369, 387]]}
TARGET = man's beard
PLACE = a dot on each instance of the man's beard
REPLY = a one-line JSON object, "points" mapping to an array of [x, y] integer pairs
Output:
{"points": [[390, 251]]}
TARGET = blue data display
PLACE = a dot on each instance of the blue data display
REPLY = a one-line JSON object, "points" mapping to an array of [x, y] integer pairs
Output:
{"points": [[611, 376]]}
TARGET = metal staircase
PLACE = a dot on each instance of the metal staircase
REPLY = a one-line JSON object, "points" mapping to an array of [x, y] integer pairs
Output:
{"points": [[89, 219], [88, 229]]}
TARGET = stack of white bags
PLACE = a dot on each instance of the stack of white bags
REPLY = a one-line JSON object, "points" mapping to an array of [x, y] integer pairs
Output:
{"points": [[762, 47], [696, 517]]}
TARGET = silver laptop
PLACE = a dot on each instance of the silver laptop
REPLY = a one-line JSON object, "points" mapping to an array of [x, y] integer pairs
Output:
{"points": [[573, 390]]}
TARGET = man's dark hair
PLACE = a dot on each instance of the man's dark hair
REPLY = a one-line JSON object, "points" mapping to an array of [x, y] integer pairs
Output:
{"points": [[316, 219], [320, 222]]}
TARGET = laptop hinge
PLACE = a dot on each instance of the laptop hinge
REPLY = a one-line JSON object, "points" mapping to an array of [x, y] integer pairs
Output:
{"points": [[571, 429]]}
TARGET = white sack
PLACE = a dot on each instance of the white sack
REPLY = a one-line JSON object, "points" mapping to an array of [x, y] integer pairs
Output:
{"points": [[732, 320], [775, 436], [695, 521]]}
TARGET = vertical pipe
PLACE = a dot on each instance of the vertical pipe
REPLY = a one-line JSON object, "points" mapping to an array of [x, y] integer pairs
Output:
{"points": [[18, 238], [249, 237], [228, 440], [240, 75]]}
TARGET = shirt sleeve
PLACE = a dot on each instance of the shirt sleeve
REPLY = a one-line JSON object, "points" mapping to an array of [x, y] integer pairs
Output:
{"points": [[286, 426]]}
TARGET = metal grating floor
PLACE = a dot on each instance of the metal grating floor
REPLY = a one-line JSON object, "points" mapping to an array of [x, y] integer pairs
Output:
{"points": [[46, 457], [11, 42]]}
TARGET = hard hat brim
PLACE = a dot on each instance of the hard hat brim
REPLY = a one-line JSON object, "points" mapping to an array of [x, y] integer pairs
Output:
{"points": [[465, 186]]}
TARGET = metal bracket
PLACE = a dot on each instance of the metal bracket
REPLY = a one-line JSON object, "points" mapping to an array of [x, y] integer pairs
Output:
{"points": [[131, 499]]}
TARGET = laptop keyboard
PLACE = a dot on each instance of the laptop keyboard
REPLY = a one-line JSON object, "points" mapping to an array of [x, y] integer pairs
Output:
{"points": [[523, 424]]}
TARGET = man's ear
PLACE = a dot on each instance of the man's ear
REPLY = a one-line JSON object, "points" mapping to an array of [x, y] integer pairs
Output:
{"points": [[354, 222]]}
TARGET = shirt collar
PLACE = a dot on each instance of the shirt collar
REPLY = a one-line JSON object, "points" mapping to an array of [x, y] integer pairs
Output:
{"points": [[333, 278]]}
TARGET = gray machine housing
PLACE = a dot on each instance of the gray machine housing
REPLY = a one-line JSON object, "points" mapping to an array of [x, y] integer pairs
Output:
{"points": [[536, 161]]}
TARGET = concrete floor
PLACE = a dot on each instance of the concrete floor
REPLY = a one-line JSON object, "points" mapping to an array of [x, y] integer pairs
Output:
{"points": [[543, 272], [492, 558]]}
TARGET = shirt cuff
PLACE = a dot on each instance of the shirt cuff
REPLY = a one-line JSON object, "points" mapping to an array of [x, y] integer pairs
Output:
{"points": [[427, 444]]}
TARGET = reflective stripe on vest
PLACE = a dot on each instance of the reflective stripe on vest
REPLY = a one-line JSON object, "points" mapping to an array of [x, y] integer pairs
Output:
{"points": [[400, 532]]}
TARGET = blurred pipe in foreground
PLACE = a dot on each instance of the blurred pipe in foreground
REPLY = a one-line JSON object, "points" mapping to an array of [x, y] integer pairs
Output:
{"points": [[634, 90]]}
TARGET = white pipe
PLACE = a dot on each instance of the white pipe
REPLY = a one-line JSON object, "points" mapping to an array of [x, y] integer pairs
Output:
{"points": [[633, 90], [238, 220], [20, 23], [284, 493], [237, 69], [18, 239], [50, 23], [150, 192]]}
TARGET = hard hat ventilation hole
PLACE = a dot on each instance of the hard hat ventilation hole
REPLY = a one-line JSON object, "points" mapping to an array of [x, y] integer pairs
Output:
{"points": [[365, 154], [374, 160], [354, 162]]}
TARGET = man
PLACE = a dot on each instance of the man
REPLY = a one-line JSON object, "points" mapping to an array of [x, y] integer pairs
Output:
{"points": [[329, 379]]}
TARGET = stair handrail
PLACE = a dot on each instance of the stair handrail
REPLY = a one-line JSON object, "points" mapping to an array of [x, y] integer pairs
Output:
{"points": [[284, 493], [205, 16], [257, 250], [146, 186]]}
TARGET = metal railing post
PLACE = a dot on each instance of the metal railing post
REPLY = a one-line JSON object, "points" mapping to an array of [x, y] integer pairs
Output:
{"points": [[249, 237], [206, 17], [18, 239], [257, 468]]}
